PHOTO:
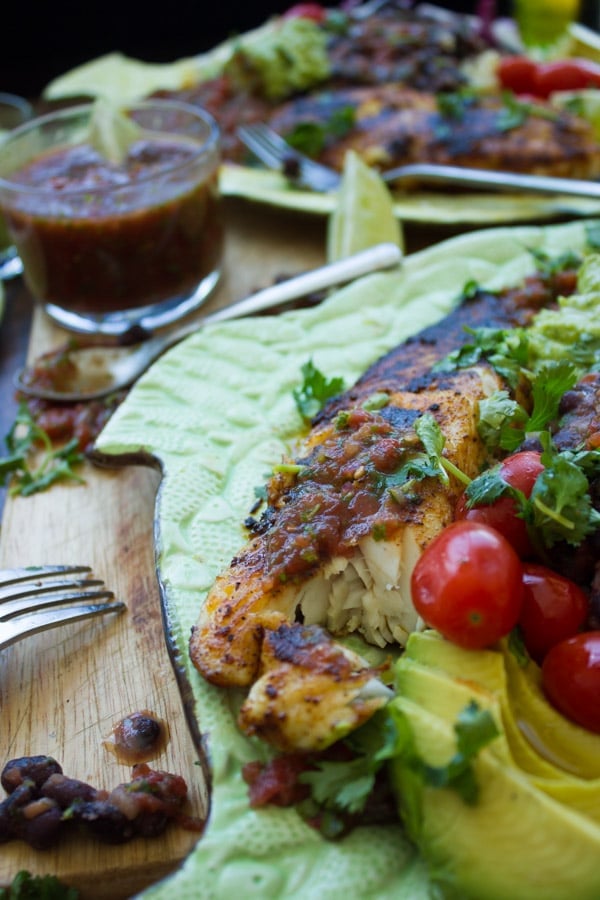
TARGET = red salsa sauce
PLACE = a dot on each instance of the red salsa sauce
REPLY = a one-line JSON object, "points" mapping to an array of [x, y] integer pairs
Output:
{"points": [[100, 237], [340, 493]]}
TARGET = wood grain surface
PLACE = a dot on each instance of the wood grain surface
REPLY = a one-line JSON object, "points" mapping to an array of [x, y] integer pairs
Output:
{"points": [[62, 692]]}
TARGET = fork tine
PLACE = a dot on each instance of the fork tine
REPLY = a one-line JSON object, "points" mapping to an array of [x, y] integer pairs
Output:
{"points": [[33, 573], [52, 595], [253, 140], [275, 152], [16, 629]]}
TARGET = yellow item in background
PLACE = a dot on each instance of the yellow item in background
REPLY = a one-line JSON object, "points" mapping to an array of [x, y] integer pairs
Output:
{"points": [[542, 23]]}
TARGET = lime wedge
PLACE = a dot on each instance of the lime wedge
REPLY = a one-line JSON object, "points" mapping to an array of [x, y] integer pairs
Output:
{"points": [[364, 212], [111, 131]]}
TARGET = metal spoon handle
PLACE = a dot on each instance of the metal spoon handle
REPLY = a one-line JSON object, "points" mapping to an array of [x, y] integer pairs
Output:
{"points": [[490, 180]]}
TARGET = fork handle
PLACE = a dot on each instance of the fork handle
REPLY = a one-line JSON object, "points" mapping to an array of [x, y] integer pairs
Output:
{"points": [[490, 180]]}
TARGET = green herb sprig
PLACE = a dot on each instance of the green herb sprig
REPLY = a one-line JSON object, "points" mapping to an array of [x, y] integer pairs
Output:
{"points": [[33, 464], [475, 728], [343, 786], [315, 390], [504, 423], [25, 886]]}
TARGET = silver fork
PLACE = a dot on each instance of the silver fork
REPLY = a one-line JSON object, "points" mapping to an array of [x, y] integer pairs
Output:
{"points": [[301, 171], [37, 598]]}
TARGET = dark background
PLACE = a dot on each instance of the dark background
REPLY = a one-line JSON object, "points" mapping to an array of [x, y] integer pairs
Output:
{"points": [[46, 38]]}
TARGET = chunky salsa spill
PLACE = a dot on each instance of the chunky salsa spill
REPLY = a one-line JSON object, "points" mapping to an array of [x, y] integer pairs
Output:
{"points": [[100, 237]]}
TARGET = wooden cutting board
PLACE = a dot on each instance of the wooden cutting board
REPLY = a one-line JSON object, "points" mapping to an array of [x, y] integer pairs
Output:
{"points": [[62, 692]]}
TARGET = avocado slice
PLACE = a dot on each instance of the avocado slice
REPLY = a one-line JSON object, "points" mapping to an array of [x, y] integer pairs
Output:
{"points": [[542, 741], [567, 745], [447, 697], [535, 848]]}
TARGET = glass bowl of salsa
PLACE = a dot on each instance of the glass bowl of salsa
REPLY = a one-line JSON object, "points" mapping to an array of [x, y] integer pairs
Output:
{"points": [[14, 110], [116, 233]]}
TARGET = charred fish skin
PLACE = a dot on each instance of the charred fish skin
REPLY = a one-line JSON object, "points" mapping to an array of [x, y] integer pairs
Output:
{"points": [[410, 367], [342, 531]]}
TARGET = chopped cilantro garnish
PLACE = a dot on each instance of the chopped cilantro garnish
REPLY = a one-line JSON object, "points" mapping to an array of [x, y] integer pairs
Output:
{"points": [[311, 137], [344, 786], [315, 390], [561, 507], [550, 265], [27, 444], [506, 349], [25, 886], [433, 441], [503, 423], [474, 728]]}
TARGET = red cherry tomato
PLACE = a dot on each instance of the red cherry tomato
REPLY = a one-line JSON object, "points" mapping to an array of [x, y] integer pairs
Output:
{"points": [[565, 75], [541, 79], [517, 74], [571, 679], [468, 585], [306, 11], [519, 470], [554, 608]]}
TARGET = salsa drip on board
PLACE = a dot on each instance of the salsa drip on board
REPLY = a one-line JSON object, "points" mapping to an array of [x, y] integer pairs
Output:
{"points": [[96, 236]]}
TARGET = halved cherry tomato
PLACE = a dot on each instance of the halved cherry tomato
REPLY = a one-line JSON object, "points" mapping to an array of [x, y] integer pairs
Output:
{"points": [[517, 74], [468, 585], [520, 470], [554, 608], [566, 75], [571, 679], [523, 75], [313, 11]]}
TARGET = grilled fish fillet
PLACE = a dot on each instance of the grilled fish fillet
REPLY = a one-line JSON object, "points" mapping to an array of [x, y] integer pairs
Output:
{"points": [[394, 125], [337, 544], [310, 691]]}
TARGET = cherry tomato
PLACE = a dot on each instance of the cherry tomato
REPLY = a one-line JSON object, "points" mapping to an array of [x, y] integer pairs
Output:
{"points": [[571, 679], [554, 608], [468, 585], [541, 79], [517, 74], [306, 11], [565, 75], [519, 470]]}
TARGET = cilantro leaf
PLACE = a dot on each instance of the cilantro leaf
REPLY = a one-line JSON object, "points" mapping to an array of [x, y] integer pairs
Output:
{"points": [[25, 886], [344, 785], [433, 440], [503, 423], [315, 390], [310, 137], [29, 444], [560, 503], [487, 488], [506, 349], [551, 382], [474, 728]]}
